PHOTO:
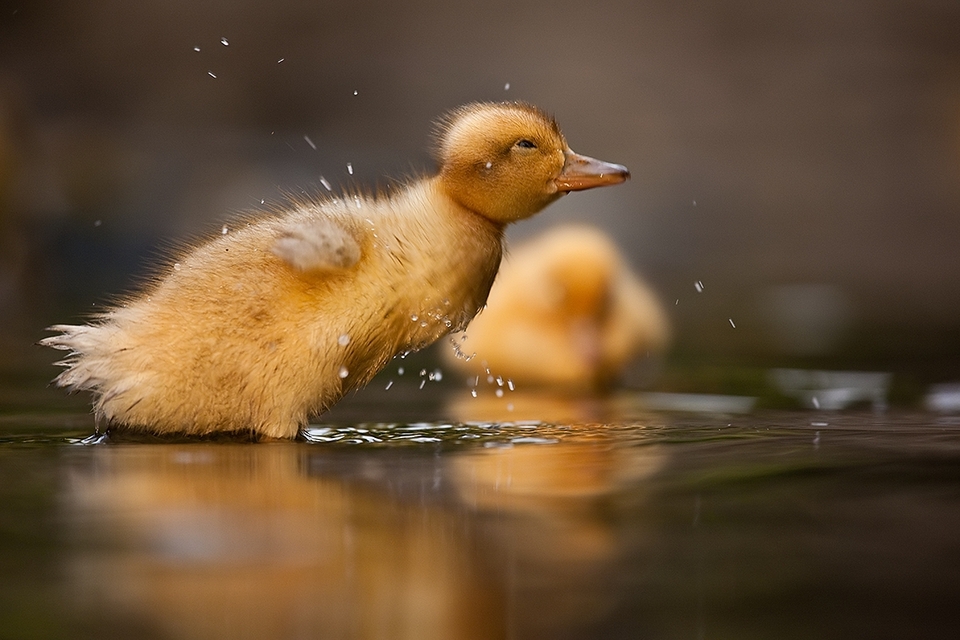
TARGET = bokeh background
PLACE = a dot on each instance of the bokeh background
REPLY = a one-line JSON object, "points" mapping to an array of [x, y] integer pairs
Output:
{"points": [[801, 160]]}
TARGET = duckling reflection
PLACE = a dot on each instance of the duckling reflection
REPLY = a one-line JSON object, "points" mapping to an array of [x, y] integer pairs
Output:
{"points": [[294, 540], [565, 312], [549, 507], [239, 542]]}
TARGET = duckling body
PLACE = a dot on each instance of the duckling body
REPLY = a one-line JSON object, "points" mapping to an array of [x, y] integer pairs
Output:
{"points": [[263, 326], [567, 312]]}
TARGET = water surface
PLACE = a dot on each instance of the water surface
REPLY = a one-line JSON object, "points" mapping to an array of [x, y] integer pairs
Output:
{"points": [[619, 523]]}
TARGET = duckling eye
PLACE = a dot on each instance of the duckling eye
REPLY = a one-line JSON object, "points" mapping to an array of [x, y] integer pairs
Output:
{"points": [[526, 144]]}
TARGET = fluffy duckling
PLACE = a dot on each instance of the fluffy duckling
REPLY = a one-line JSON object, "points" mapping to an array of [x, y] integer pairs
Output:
{"points": [[259, 328], [565, 311]]}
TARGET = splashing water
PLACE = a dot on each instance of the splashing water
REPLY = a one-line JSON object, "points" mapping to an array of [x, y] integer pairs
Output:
{"points": [[458, 352], [488, 434]]}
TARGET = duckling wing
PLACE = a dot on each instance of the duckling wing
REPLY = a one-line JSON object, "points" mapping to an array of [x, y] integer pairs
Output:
{"points": [[318, 244]]}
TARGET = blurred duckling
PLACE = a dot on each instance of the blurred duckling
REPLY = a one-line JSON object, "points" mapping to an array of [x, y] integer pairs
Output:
{"points": [[565, 312], [274, 320]]}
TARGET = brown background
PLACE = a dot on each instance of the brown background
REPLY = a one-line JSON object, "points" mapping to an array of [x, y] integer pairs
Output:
{"points": [[800, 159]]}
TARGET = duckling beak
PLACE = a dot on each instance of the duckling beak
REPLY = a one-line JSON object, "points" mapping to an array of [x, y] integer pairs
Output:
{"points": [[582, 172]]}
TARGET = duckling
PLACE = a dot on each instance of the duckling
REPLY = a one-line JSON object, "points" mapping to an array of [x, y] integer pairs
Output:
{"points": [[565, 311], [261, 327]]}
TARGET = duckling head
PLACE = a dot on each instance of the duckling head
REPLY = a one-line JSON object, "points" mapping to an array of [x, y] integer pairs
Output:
{"points": [[507, 161]]}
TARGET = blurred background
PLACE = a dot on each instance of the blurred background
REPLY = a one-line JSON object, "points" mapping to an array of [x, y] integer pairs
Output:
{"points": [[795, 199]]}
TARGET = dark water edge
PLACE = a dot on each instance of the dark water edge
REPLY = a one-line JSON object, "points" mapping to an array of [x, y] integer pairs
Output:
{"points": [[658, 525]]}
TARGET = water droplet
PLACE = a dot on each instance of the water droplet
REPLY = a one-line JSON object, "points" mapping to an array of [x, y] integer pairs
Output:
{"points": [[97, 223], [698, 285], [350, 168], [510, 407], [176, 266], [399, 371], [414, 317], [280, 60], [224, 231], [510, 384], [731, 323], [310, 142], [506, 87], [473, 392], [422, 382], [224, 42], [489, 379], [436, 375], [354, 92], [326, 185], [499, 381], [211, 74], [344, 372], [389, 384], [356, 199], [196, 48], [343, 340], [499, 393], [489, 165]]}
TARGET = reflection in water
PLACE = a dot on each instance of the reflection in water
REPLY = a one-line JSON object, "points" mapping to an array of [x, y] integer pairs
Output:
{"points": [[240, 541], [297, 540], [549, 516]]}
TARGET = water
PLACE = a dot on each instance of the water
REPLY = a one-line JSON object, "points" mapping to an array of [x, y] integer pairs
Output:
{"points": [[451, 521]]}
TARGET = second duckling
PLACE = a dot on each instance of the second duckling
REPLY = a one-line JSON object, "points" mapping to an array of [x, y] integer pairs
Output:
{"points": [[565, 312], [259, 328]]}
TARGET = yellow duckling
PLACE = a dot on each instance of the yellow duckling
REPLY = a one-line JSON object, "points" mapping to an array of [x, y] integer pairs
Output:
{"points": [[277, 318], [565, 311]]}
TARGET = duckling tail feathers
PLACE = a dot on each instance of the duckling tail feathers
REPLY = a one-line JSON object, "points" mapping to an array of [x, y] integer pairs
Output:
{"points": [[81, 368]]}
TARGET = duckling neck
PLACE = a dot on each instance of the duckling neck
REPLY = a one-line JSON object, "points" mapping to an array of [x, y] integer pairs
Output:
{"points": [[440, 187], [448, 261]]}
